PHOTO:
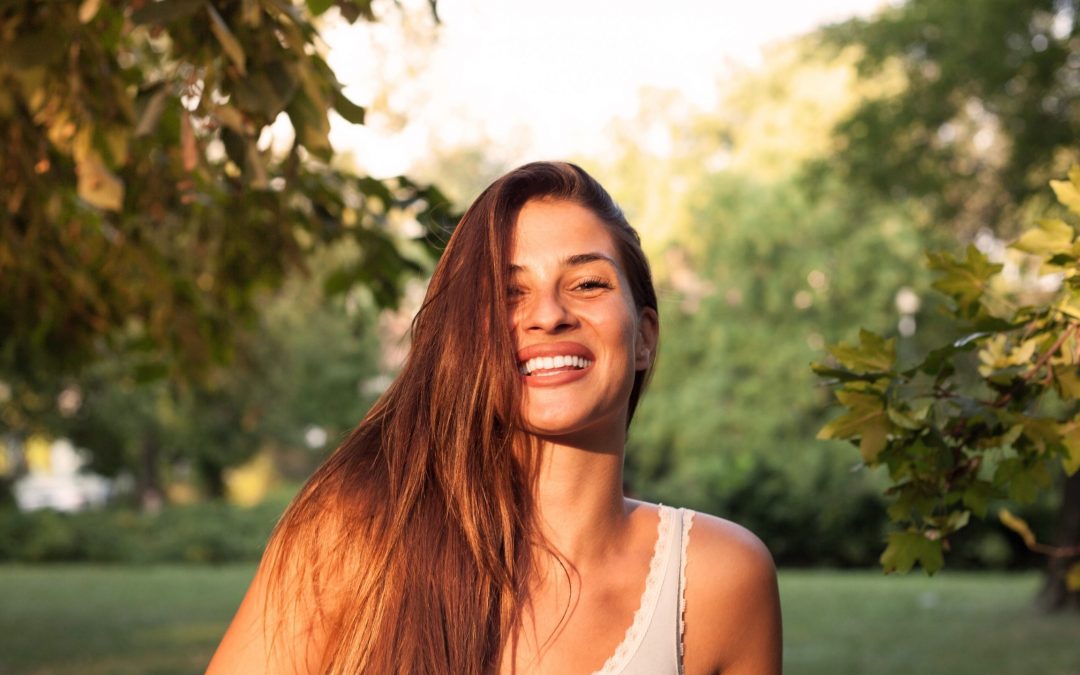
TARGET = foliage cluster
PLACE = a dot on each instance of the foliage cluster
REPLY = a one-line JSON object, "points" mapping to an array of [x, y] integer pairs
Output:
{"points": [[983, 112], [766, 276], [208, 532], [952, 439], [303, 366], [728, 425], [144, 206], [147, 209], [824, 520]]}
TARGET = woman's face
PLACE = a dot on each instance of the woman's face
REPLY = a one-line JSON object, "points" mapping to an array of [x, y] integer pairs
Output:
{"points": [[579, 337]]}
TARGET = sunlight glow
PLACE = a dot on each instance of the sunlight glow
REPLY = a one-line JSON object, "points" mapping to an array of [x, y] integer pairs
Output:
{"points": [[543, 80]]}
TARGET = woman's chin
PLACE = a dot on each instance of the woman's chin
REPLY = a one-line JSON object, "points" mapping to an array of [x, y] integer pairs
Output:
{"points": [[570, 429]]}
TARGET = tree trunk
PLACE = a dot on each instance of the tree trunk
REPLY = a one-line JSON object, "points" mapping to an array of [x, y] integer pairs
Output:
{"points": [[1054, 596], [213, 478], [151, 496]]}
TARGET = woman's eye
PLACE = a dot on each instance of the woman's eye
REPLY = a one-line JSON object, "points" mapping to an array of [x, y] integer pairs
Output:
{"points": [[592, 284]]}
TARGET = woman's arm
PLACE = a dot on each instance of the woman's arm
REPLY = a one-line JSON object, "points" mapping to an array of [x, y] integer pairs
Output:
{"points": [[732, 602], [274, 630]]}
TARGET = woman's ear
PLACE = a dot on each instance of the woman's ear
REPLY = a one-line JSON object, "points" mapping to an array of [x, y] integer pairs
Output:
{"points": [[648, 333]]}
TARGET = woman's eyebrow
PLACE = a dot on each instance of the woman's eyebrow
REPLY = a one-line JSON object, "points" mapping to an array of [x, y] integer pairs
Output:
{"points": [[576, 260], [586, 258]]}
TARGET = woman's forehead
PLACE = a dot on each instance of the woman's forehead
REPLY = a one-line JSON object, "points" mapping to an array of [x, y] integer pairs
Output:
{"points": [[549, 231]]}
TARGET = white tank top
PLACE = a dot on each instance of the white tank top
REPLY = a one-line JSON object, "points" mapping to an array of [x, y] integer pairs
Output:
{"points": [[653, 644]]}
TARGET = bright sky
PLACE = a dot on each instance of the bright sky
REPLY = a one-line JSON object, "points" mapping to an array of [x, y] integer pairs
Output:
{"points": [[545, 79]]}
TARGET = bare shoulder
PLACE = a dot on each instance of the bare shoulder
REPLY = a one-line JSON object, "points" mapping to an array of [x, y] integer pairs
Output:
{"points": [[732, 602], [280, 624], [730, 557]]}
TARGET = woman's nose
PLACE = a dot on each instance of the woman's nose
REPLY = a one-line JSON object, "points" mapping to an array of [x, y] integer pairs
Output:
{"points": [[546, 312]]}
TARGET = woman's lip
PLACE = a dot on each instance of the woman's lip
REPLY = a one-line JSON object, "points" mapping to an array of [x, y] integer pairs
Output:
{"points": [[554, 349], [555, 379]]}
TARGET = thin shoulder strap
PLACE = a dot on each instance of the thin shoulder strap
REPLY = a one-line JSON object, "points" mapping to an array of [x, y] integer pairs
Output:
{"points": [[686, 517]]}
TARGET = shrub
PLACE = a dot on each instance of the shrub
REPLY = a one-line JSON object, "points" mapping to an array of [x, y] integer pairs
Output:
{"points": [[211, 532]]}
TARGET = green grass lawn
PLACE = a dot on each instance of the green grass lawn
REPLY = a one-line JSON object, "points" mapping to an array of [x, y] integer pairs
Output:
{"points": [[841, 623], [118, 620]]}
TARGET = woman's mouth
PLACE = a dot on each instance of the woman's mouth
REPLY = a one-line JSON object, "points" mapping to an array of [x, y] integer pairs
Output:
{"points": [[546, 366], [554, 363]]}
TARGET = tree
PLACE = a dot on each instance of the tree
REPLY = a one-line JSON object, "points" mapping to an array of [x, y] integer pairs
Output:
{"points": [[141, 210], [976, 108], [975, 112], [755, 274], [302, 369], [955, 434], [727, 426]]}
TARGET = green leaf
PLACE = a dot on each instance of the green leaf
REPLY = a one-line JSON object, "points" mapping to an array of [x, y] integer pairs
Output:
{"points": [[994, 324], [312, 126], [874, 439], [957, 520], [941, 357], [873, 354], [228, 41], [910, 419], [1070, 304], [267, 91], [1017, 525], [1022, 482], [235, 146], [907, 548], [826, 371], [1070, 440], [1068, 380], [150, 372], [347, 109], [865, 420], [1072, 577], [978, 495], [1050, 236], [339, 280], [964, 281], [96, 184], [351, 10], [319, 7], [999, 354], [1068, 192], [1042, 432]]}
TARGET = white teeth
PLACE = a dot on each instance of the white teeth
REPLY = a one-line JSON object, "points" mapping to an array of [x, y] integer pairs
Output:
{"points": [[553, 362]]}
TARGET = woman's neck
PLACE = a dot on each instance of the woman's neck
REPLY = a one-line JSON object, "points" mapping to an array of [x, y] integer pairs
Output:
{"points": [[580, 501]]}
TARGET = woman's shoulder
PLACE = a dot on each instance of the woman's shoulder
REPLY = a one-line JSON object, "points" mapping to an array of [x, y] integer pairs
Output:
{"points": [[722, 545], [732, 612]]}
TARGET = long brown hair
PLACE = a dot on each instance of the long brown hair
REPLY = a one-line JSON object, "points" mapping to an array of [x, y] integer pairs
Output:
{"points": [[415, 538]]}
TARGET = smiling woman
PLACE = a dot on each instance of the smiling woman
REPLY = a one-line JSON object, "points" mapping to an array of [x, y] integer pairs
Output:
{"points": [[474, 522]]}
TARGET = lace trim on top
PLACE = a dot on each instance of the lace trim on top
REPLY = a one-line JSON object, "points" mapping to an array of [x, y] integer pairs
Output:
{"points": [[687, 523], [649, 598]]}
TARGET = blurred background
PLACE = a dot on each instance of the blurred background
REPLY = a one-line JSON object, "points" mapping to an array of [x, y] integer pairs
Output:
{"points": [[218, 216]]}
